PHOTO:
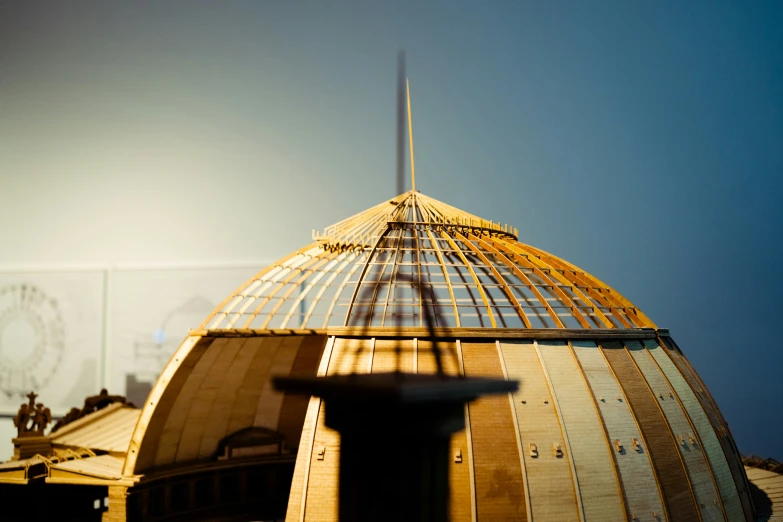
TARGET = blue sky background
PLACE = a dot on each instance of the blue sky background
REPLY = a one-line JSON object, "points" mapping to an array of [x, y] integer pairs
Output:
{"points": [[642, 141]]}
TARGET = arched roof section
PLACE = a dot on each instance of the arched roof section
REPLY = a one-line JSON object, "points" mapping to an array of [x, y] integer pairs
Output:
{"points": [[213, 387]]}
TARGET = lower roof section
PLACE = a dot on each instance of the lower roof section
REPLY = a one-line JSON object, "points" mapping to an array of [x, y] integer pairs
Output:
{"points": [[613, 408], [214, 387], [767, 491], [98, 470], [219, 382], [600, 429]]}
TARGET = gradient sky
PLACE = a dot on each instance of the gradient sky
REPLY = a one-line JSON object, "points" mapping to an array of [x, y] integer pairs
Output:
{"points": [[642, 141]]}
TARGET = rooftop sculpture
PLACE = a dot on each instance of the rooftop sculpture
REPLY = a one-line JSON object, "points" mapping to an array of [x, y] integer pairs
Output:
{"points": [[32, 418]]}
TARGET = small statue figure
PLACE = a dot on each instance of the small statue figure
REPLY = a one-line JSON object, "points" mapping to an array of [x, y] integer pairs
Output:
{"points": [[32, 419], [21, 420], [32, 396], [41, 419]]}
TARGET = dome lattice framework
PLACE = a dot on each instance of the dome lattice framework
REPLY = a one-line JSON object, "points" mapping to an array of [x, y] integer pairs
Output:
{"points": [[386, 265], [611, 422]]}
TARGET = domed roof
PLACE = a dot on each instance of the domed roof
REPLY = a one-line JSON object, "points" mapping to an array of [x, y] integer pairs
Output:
{"points": [[412, 257], [610, 421]]}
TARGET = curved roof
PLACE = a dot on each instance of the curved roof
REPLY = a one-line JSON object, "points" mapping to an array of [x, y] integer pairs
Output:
{"points": [[413, 260]]}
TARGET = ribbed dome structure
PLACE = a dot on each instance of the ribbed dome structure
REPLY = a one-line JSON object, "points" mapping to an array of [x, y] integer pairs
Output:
{"points": [[611, 422], [396, 262]]}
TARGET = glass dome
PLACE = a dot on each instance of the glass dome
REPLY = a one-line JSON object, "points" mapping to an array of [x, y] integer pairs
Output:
{"points": [[412, 258]]}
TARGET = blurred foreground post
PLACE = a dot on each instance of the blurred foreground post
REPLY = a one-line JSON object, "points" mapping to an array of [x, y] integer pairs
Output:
{"points": [[395, 432]]}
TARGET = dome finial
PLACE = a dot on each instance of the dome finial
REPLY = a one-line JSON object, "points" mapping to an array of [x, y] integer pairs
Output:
{"points": [[410, 137], [400, 122]]}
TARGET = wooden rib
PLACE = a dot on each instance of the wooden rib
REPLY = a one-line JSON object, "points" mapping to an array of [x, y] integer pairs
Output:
{"points": [[415, 355], [235, 293], [636, 421], [279, 285], [521, 275], [659, 442], [668, 427], [418, 271], [479, 286], [358, 229], [378, 284], [259, 289], [524, 258], [234, 393], [391, 276], [578, 279], [445, 275], [368, 216], [694, 431], [506, 289], [591, 393], [361, 225], [305, 275], [180, 359], [434, 213], [433, 216], [469, 440], [465, 279], [633, 313], [363, 230], [587, 279], [668, 344], [377, 228], [563, 433], [715, 417], [328, 282], [339, 292], [400, 212], [203, 397], [316, 403], [566, 299], [303, 294], [526, 487], [263, 286], [447, 211], [361, 276], [534, 261], [494, 448]]}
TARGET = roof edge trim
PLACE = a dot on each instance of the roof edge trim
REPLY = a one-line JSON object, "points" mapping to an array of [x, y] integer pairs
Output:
{"points": [[462, 333]]}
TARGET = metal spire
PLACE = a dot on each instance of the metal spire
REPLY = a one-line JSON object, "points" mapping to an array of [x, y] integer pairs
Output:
{"points": [[410, 137], [400, 123]]}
